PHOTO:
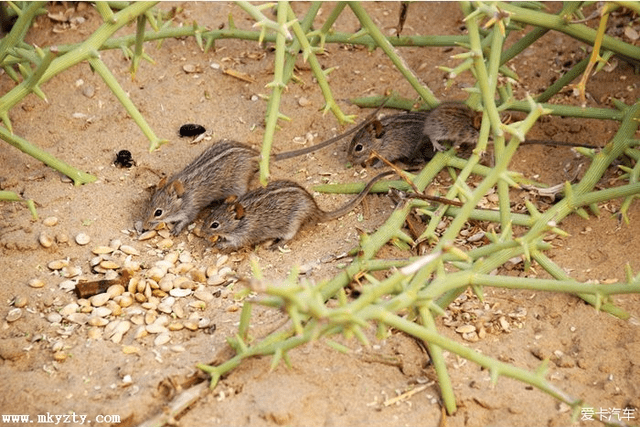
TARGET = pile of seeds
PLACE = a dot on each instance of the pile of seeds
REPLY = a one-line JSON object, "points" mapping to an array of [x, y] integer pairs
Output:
{"points": [[142, 299], [474, 319]]}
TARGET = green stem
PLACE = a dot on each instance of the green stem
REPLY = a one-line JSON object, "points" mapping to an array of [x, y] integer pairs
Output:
{"points": [[126, 102], [277, 85], [577, 31], [388, 49], [46, 158]]}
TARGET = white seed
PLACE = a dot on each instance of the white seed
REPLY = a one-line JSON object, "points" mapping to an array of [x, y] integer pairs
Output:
{"points": [[54, 317], [185, 257], [71, 271], [147, 235], [58, 264], [175, 326], [164, 233], [115, 244], [191, 324], [225, 271], [95, 261], [142, 285], [109, 265], [164, 308], [181, 268], [79, 318], [14, 314], [69, 309], [67, 285], [101, 250], [115, 290], [215, 280], [125, 300], [154, 328], [205, 322], [156, 273], [140, 332], [82, 239], [45, 239], [101, 312], [178, 310], [162, 339], [202, 295], [198, 276], [212, 271], [50, 221], [94, 333], [99, 300], [166, 284], [222, 260], [171, 257], [150, 317], [132, 265], [115, 330], [198, 305], [179, 292], [57, 346], [164, 244], [20, 301], [464, 329], [129, 250], [470, 336], [36, 283]]}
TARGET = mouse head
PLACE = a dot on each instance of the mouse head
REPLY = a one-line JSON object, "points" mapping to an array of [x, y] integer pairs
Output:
{"points": [[366, 140], [224, 218], [166, 204]]}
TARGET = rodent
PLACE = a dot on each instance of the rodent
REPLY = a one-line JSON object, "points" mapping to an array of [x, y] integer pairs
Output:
{"points": [[275, 212], [224, 169], [416, 136]]}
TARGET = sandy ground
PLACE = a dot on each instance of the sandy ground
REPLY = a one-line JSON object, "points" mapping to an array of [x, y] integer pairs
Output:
{"points": [[51, 363]]}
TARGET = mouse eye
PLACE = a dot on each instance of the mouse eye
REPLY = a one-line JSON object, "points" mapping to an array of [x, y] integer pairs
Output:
{"points": [[215, 224], [358, 148], [157, 213]]}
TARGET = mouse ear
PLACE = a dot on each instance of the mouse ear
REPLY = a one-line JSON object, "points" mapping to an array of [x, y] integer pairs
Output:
{"points": [[239, 210], [178, 187], [162, 182], [231, 199], [377, 126]]}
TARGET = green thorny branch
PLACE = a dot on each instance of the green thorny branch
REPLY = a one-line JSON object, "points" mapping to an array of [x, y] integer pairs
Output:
{"points": [[423, 286]]}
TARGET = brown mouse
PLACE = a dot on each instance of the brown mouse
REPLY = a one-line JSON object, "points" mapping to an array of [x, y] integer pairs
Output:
{"points": [[416, 136], [224, 169], [275, 212]]}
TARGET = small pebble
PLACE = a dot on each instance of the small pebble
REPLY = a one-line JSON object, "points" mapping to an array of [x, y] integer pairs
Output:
{"points": [[82, 239], [50, 221]]}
